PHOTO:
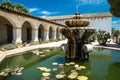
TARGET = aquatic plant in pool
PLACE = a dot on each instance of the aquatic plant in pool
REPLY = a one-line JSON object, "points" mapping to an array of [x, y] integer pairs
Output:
{"points": [[103, 65], [61, 71]]}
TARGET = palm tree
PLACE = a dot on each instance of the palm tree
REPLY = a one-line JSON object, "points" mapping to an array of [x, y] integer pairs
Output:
{"points": [[115, 33], [113, 36]]}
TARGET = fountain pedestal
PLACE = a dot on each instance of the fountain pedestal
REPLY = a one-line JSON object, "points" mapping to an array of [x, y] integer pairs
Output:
{"points": [[78, 33]]}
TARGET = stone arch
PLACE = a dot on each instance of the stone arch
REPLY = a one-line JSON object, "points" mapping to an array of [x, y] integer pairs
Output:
{"points": [[9, 19], [6, 30], [45, 26], [28, 21], [50, 32], [26, 32], [41, 32]]}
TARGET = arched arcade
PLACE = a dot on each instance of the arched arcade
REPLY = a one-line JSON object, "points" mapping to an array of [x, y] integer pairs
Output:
{"points": [[26, 32], [6, 31]]}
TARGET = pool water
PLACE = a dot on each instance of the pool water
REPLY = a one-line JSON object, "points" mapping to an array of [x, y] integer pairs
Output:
{"points": [[104, 64]]}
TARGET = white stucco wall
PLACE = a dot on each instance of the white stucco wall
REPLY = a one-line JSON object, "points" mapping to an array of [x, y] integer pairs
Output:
{"points": [[104, 23], [60, 21]]}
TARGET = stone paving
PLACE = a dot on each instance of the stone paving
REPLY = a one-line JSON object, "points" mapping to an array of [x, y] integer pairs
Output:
{"points": [[3, 54], [110, 45]]}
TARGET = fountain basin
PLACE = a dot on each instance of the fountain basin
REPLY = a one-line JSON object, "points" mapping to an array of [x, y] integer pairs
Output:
{"points": [[77, 32], [77, 37], [77, 23]]}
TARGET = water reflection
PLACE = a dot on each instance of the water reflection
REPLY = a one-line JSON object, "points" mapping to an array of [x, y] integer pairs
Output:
{"points": [[101, 54], [113, 71], [27, 57]]}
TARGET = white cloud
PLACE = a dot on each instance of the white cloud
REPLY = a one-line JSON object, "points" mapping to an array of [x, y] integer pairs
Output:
{"points": [[43, 16], [116, 25], [33, 9], [46, 13], [116, 22], [83, 2]]}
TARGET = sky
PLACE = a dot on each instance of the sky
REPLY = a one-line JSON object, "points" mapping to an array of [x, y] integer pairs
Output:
{"points": [[44, 8]]}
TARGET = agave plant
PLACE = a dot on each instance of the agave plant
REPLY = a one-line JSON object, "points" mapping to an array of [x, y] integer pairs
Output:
{"points": [[102, 37]]}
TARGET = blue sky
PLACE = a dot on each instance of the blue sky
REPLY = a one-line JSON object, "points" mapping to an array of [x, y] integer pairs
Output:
{"points": [[43, 8]]}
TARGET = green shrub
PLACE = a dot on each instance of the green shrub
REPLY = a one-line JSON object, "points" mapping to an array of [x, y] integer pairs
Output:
{"points": [[24, 44], [93, 37], [33, 43], [8, 47], [51, 40]]}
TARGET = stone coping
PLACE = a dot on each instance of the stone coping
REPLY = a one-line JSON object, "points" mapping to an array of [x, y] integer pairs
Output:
{"points": [[107, 47]]}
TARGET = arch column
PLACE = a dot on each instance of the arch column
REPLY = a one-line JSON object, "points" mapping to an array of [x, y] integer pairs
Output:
{"points": [[63, 36], [54, 34], [35, 35], [46, 35], [60, 36], [17, 36]]}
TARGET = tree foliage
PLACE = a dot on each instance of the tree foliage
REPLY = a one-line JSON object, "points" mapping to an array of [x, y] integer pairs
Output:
{"points": [[7, 3], [115, 7], [18, 7]]}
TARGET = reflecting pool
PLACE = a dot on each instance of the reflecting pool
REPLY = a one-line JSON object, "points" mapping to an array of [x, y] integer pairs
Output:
{"points": [[104, 64]]}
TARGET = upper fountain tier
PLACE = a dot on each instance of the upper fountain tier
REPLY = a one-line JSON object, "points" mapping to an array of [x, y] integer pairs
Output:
{"points": [[77, 21]]}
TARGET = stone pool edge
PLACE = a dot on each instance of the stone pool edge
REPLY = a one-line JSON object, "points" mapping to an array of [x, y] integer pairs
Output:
{"points": [[16, 51], [106, 47], [4, 54]]}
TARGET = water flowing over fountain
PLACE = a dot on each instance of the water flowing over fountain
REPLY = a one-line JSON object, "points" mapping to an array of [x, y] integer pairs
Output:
{"points": [[77, 34]]}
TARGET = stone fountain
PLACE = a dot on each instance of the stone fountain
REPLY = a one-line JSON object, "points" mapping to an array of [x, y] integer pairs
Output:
{"points": [[77, 32]]}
